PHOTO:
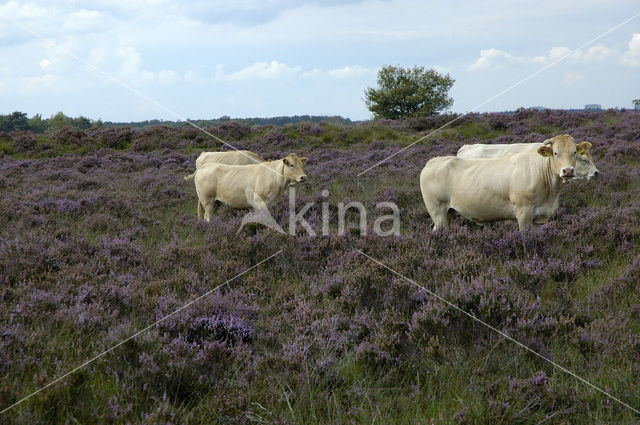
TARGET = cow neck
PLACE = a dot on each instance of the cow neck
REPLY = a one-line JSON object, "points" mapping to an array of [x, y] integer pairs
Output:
{"points": [[550, 178], [278, 169]]}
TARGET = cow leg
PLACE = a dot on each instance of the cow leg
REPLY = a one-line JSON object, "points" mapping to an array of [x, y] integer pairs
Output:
{"points": [[439, 214], [209, 209], [524, 215], [441, 220]]}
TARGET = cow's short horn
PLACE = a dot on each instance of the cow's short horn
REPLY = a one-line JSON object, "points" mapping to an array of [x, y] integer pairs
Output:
{"points": [[547, 142]]}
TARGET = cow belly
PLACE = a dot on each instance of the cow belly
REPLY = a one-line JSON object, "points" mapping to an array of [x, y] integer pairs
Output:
{"points": [[485, 212], [235, 198], [236, 204]]}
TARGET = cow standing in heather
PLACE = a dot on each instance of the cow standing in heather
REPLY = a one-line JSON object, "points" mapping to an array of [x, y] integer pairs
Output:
{"points": [[235, 157], [524, 186], [585, 168], [245, 186]]}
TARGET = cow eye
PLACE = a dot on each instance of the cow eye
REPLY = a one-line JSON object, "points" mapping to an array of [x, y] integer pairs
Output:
{"points": [[291, 165]]}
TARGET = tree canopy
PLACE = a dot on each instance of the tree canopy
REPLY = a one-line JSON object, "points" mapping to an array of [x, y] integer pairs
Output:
{"points": [[409, 92]]}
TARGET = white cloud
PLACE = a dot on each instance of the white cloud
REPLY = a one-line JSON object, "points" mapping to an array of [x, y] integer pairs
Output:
{"points": [[18, 10], [191, 76], [441, 69], [632, 56], [85, 20], [314, 73], [259, 71], [349, 71], [277, 70], [595, 54], [131, 60], [167, 76], [554, 54], [131, 66], [557, 53], [44, 63], [492, 57]]}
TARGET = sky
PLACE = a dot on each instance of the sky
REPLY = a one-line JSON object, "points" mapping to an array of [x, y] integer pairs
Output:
{"points": [[127, 60]]}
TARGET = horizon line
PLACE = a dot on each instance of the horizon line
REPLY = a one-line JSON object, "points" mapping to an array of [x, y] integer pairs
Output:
{"points": [[226, 118]]}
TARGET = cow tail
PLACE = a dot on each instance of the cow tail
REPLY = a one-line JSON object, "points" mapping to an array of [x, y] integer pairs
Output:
{"points": [[191, 176], [200, 209]]}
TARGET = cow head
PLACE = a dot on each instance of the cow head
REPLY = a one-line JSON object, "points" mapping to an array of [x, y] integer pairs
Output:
{"points": [[292, 170], [563, 154], [585, 168]]}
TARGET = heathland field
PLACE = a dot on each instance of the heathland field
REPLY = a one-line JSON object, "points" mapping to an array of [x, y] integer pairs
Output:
{"points": [[99, 239]]}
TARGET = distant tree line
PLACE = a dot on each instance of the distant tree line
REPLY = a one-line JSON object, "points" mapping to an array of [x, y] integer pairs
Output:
{"points": [[18, 121], [276, 121]]}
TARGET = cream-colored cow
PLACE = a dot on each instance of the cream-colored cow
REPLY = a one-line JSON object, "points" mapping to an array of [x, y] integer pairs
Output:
{"points": [[229, 158], [585, 168], [245, 186], [523, 186]]}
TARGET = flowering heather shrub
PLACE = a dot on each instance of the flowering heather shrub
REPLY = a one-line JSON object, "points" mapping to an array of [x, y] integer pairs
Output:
{"points": [[499, 122], [116, 137], [192, 133], [220, 328], [427, 123], [521, 131], [148, 139], [99, 238], [68, 136], [233, 130], [278, 139], [24, 141], [309, 129]]}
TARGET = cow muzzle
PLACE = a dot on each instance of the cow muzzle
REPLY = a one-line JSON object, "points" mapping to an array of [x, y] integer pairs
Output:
{"points": [[302, 178], [568, 173]]}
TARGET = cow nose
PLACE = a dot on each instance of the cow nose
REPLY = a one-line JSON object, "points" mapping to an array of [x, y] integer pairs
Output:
{"points": [[303, 178], [568, 172], [596, 173]]}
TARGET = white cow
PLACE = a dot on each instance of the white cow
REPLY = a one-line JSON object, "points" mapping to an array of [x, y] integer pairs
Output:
{"points": [[229, 157], [523, 186], [585, 168], [245, 186]]}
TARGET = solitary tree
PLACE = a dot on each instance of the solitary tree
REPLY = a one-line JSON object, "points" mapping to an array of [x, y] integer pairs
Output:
{"points": [[411, 92]]}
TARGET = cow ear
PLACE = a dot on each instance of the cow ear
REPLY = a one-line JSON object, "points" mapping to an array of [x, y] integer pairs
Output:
{"points": [[545, 151], [286, 161], [304, 160], [583, 147]]}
